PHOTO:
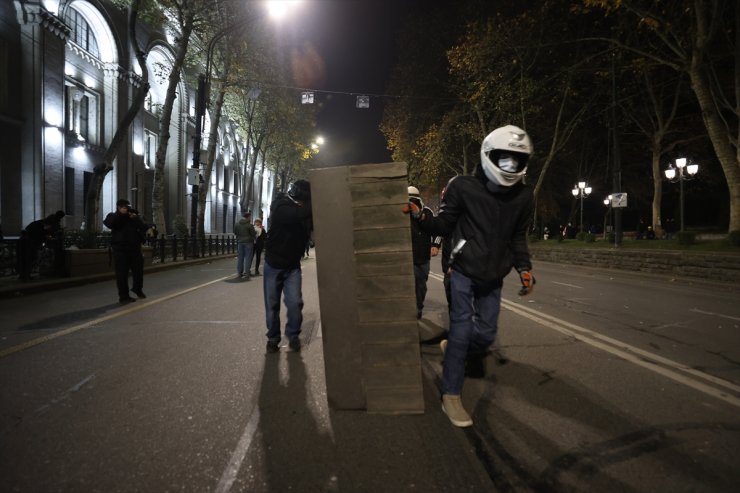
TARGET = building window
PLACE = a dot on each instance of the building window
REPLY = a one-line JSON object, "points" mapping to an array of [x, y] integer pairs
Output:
{"points": [[86, 181], [69, 190], [150, 149], [82, 113], [81, 34]]}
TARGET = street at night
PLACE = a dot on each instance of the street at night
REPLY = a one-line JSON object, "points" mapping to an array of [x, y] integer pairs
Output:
{"points": [[614, 381]]}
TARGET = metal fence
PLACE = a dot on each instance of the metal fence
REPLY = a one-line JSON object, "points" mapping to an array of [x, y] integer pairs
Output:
{"points": [[165, 249]]}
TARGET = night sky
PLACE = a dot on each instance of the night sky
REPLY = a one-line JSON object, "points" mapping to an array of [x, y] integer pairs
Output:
{"points": [[348, 46]]}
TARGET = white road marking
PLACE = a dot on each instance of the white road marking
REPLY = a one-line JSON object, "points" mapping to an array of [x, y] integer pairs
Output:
{"points": [[71, 330], [658, 364], [566, 284], [237, 457], [696, 310]]}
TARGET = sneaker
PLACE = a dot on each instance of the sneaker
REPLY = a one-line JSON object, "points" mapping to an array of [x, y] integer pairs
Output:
{"points": [[272, 347], [256, 273], [139, 293], [295, 344], [246, 277], [453, 408], [127, 299], [443, 346]]}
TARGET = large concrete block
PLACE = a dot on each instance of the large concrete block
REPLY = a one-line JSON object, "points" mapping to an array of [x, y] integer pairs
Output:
{"points": [[366, 288]]}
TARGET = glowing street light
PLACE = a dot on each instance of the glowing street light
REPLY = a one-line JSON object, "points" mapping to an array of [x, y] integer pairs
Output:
{"points": [[680, 173], [582, 191]]}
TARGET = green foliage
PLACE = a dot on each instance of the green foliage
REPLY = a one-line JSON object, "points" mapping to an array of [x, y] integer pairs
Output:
{"points": [[179, 226], [686, 238], [589, 238], [734, 238], [534, 238]]}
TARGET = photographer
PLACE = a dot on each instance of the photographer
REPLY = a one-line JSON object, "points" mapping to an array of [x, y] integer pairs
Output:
{"points": [[290, 229], [128, 233]]}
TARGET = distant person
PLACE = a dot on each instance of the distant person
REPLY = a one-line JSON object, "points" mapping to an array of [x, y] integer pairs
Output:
{"points": [[640, 229], [259, 244], [650, 234], [245, 236], [290, 229], [151, 234], [423, 248], [127, 235], [32, 238], [484, 252], [670, 228]]}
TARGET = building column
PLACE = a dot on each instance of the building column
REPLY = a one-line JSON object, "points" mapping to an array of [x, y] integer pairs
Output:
{"points": [[43, 38]]}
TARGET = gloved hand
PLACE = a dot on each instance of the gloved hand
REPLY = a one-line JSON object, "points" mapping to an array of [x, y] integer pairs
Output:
{"points": [[528, 282], [413, 209]]}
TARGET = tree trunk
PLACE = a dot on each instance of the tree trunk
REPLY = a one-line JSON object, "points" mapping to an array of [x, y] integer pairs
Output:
{"points": [[212, 137], [92, 200], [259, 196], [253, 166], [158, 189], [657, 183], [718, 134]]}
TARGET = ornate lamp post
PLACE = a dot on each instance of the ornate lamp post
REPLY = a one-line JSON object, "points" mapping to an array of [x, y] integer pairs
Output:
{"points": [[581, 191], [680, 173]]}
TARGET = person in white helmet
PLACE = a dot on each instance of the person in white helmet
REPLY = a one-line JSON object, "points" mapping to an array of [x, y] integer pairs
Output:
{"points": [[423, 247], [487, 216]]}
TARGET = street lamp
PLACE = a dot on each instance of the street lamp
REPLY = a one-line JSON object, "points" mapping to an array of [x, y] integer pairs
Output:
{"points": [[680, 173], [582, 191]]}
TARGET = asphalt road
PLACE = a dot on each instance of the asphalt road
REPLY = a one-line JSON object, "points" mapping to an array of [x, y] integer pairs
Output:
{"points": [[615, 382], [612, 382]]}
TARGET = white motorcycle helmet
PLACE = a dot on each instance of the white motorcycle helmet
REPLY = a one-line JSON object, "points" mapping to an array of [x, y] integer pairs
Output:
{"points": [[504, 155], [414, 194]]}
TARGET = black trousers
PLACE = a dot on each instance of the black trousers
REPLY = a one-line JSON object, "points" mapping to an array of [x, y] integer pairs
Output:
{"points": [[257, 257], [125, 261]]}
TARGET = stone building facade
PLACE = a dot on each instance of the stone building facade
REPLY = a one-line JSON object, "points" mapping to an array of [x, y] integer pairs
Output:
{"points": [[67, 75]]}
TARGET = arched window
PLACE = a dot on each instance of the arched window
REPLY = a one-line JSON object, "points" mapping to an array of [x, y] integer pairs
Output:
{"points": [[82, 35]]}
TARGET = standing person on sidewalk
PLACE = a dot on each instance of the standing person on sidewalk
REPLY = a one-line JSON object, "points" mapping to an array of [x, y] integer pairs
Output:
{"points": [[290, 228], [487, 216], [128, 233], [245, 236], [259, 244], [423, 248]]}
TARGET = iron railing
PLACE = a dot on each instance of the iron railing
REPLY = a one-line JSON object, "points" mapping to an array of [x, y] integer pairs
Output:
{"points": [[164, 249]]}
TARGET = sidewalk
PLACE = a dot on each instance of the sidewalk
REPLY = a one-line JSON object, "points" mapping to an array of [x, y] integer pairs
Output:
{"points": [[10, 286]]}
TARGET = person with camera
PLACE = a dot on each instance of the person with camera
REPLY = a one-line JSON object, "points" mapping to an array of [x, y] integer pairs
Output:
{"points": [[290, 229], [128, 234]]}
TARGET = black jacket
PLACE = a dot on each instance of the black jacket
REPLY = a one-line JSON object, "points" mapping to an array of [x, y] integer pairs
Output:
{"points": [[494, 221], [290, 229], [127, 233], [422, 242]]}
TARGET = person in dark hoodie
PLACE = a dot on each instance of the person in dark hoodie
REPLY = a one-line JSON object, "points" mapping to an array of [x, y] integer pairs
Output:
{"points": [[487, 217], [290, 229], [128, 233], [245, 236]]}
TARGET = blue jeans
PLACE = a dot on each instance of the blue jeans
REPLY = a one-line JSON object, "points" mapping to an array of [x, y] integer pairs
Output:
{"points": [[473, 325], [421, 276], [244, 256], [287, 282]]}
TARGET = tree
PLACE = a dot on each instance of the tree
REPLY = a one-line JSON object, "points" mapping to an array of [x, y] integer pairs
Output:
{"points": [[100, 171], [700, 39], [184, 18]]}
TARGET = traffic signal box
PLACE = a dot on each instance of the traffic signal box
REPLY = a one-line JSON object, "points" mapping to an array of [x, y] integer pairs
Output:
{"points": [[366, 288]]}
